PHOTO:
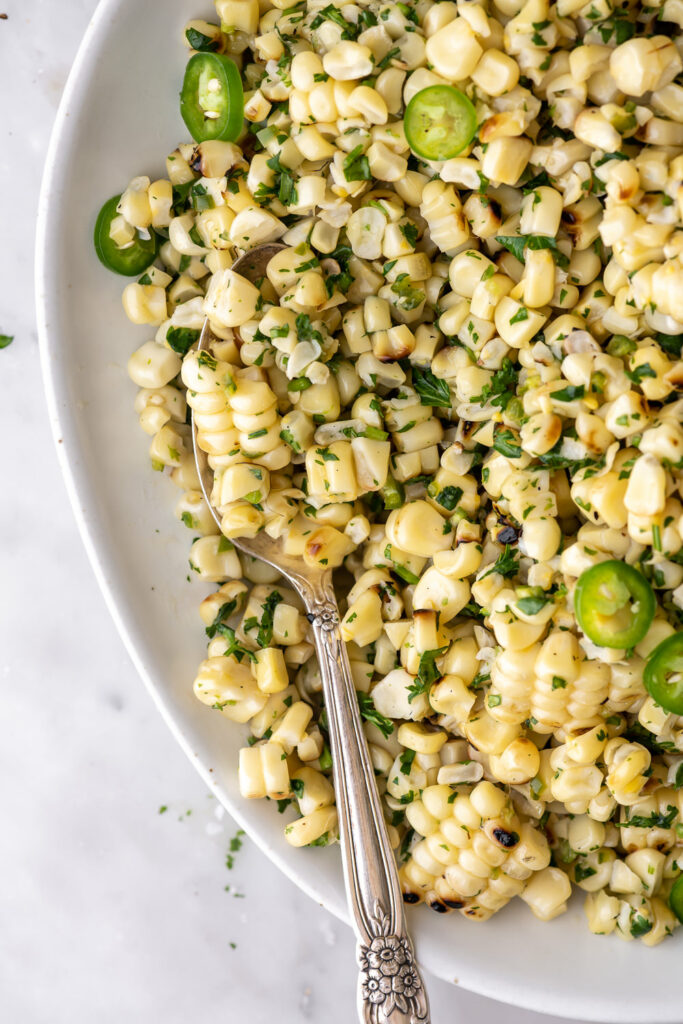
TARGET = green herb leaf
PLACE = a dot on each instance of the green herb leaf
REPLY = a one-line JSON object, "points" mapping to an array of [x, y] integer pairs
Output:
{"points": [[506, 564], [569, 394], [516, 244], [198, 41], [431, 389], [506, 441], [533, 183], [265, 632], [234, 647], [501, 390], [532, 605], [672, 344], [287, 436], [409, 232], [449, 497], [386, 60], [224, 613], [639, 924], [323, 840], [297, 787], [356, 165], [181, 339], [180, 196], [640, 373], [521, 315], [370, 713], [305, 330], [427, 673], [655, 820], [582, 872], [331, 13], [326, 455]]}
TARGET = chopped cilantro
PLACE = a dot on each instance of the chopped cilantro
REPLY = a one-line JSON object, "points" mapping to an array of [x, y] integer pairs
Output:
{"points": [[431, 389], [370, 713], [427, 673], [506, 564], [516, 244], [181, 339], [356, 165], [199, 41]]}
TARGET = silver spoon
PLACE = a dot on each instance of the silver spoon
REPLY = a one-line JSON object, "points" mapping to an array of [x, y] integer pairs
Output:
{"points": [[390, 989]]}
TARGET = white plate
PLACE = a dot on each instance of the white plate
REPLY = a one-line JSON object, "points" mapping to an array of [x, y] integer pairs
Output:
{"points": [[119, 117]]}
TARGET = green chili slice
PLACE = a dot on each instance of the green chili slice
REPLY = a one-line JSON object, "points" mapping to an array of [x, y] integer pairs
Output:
{"points": [[676, 898], [393, 493], [614, 605], [212, 99], [129, 261], [663, 678], [439, 122]]}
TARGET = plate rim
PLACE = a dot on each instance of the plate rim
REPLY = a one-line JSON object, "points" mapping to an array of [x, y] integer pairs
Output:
{"points": [[66, 443]]}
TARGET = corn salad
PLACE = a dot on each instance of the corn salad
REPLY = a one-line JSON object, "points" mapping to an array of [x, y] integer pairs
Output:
{"points": [[459, 385]]}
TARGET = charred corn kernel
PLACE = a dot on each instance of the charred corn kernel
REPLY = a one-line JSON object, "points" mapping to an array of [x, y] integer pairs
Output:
{"points": [[454, 51], [420, 738], [547, 893], [643, 64], [271, 671], [311, 827]]}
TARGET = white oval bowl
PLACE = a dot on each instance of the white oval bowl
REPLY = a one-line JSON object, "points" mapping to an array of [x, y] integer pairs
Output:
{"points": [[119, 117]]}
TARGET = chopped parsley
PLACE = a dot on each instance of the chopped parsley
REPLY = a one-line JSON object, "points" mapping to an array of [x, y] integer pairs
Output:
{"points": [[283, 187], [501, 390], [409, 232], [506, 441], [506, 564], [356, 165], [655, 820], [264, 636], [370, 713], [181, 339], [201, 42], [571, 393], [533, 603], [640, 373], [427, 673], [516, 244], [332, 13], [449, 497], [431, 389]]}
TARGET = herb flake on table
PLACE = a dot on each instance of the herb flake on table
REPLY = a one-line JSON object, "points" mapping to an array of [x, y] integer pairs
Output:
{"points": [[234, 847]]}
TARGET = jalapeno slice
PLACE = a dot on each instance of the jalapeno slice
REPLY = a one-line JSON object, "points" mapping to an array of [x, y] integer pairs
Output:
{"points": [[614, 604], [212, 99], [663, 678], [439, 122], [676, 898], [129, 261]]}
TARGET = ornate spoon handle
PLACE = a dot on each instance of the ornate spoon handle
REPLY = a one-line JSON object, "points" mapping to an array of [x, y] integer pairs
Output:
{"points": [[390, 987]]}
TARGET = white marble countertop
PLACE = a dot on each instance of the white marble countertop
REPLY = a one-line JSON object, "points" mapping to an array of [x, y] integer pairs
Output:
{"points": [[119, 898]]}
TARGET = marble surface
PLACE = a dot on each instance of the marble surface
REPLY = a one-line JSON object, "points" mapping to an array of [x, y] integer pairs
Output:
{"points": [[120, 896]]}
